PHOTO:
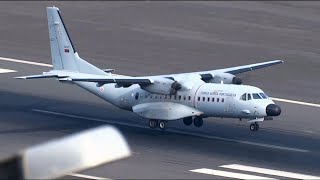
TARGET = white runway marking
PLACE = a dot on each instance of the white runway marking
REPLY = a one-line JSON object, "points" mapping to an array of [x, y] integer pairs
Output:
{"points": [[227, 174], [175, 131], [295, 102], [87, 176], [6, 70], [269, 171], [273, 146], [25, 62], [49, 65]]}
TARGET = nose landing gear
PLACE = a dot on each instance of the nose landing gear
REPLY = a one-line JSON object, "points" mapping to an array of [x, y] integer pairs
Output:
{"points": [[254, 126]]}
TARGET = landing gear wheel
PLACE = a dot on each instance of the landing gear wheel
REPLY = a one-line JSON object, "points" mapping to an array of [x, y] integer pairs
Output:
{"points": [[187, 121], [254, 127], [153, 123], [163, 125], [197, 121]]}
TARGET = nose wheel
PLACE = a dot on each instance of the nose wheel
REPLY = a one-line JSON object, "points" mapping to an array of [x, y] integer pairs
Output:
{"points": [[254, 126]]}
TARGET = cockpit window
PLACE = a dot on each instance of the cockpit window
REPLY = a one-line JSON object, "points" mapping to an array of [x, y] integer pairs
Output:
{"points": [[249, 96], [244, 97], [263, 95], [256, 96]]}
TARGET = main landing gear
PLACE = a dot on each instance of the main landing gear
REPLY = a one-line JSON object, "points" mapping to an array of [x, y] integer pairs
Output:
{"points": [[254, 126], [153, 123], [197, 121]]}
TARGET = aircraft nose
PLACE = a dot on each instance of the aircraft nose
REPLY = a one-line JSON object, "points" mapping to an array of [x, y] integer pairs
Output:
{"points": [[273, 110]]}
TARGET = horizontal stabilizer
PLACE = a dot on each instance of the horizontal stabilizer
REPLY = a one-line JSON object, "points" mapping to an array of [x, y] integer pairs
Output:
{"points": [[40, 76], [108, 70]]}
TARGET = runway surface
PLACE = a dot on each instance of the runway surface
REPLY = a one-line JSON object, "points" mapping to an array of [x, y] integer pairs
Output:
{"points": [[144, 38]]}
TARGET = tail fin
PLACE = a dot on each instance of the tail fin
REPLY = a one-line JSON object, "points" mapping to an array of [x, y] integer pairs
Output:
{"points": [[63, 53]]}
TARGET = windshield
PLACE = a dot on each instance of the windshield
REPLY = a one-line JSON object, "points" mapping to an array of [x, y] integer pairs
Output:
{"points": [[256, 96], [263, 95]]}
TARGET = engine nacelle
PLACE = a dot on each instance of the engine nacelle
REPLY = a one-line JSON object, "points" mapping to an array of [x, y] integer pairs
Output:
{"points": [[226, 78], [163, 86]]}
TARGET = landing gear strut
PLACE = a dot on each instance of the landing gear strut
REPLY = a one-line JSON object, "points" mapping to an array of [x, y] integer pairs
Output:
{"points": [[254, 126], [197, 121]]}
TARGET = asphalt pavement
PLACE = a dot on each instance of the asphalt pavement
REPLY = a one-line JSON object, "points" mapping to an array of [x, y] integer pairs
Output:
{"points": [[148, 38]]}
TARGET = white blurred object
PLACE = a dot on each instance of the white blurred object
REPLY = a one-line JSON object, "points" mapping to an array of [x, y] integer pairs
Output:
{"points": [[74, 153]]}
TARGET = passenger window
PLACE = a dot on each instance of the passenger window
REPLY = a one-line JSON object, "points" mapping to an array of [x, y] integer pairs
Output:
{"points": [[212, 99], [217, 99], [244, 97], [208, 99], [222, 100], [165, 96], [175, 97], [184, 97], [249, 96], [179, 97], [199, 98], [155, 96], [256, 96], [137, 96], [189, 98], [160, 97], [203, 99]]}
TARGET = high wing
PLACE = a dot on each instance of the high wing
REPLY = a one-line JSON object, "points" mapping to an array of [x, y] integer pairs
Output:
{"points": [[232, 70], [202, 75], [250, 67], [149, 80]]}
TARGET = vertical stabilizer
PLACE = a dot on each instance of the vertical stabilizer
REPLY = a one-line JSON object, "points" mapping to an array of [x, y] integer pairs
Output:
{"points": [[63, 53]]}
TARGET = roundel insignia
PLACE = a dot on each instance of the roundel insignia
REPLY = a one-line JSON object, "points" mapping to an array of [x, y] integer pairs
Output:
{"points": [[101, 89]]}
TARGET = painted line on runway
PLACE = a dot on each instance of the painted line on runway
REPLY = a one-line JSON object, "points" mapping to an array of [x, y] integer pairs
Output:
{"points": [[273, 146], [269, 171], [295, 102], [228, 174], [176, 131], [25, 62], [49, 65], [6, 70], [87, 176]]}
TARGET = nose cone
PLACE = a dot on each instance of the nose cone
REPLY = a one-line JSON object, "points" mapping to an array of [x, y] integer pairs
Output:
{"points": [[273, 110]]}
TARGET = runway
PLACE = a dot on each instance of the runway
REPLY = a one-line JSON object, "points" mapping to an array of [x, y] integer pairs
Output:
{"points": [[144, 38]]}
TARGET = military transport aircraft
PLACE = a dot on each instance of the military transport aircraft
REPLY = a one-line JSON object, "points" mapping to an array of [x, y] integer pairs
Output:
{"points": [[161, 98]]}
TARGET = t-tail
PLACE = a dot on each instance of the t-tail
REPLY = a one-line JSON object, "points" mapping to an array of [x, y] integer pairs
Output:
{"points": [[63, 53]]}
